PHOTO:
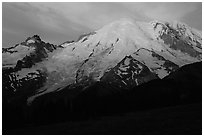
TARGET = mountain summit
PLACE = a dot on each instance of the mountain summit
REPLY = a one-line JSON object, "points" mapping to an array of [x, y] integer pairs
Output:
{"points": [[123, 54]]}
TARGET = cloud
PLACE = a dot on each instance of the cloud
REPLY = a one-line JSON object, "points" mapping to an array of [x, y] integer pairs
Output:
{"points": [[59, 22], [169, 11], [21, 20], [95, 15]]}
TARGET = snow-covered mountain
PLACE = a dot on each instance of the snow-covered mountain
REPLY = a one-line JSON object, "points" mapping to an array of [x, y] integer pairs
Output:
{"points": [[124, 53]]}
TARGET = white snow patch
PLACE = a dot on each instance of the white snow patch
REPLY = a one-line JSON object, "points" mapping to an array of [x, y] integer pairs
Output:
{"points": [[127, 61], [30, 41], [12, 58]]}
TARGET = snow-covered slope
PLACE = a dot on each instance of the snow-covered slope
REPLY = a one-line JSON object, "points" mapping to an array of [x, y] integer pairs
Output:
{"points": [[23, 70], [125, 53]]}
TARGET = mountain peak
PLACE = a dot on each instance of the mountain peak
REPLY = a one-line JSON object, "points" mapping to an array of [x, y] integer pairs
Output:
{"points": [[33, 39], [123, 21], [155, 48], [27, 53]]}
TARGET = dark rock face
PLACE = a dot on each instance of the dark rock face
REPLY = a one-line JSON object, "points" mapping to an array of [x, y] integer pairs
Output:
{"points": [[178, 44], [162, 63], [40, 52], [177, 39], [27, 85], [128, 73]]}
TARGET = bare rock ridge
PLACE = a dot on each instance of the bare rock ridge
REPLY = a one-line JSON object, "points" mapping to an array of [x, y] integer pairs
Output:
{"points": [[124, 53]]}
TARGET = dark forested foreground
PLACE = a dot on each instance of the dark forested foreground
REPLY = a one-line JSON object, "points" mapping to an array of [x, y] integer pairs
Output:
{"points": [[177, 120], [168, 106]]}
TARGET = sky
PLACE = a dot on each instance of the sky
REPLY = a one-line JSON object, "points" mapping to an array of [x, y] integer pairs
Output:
{"points": [[60, 22]]}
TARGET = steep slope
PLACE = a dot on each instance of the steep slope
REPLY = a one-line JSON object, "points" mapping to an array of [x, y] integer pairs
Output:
{"points": [[129, 73], [125, 52], [22, 71]]}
